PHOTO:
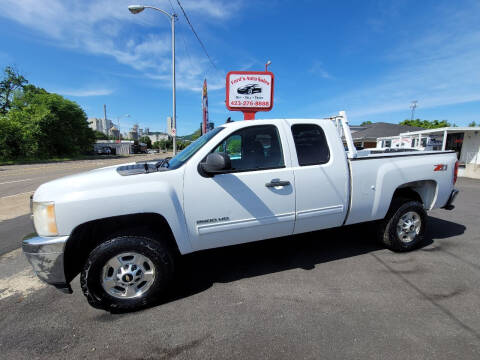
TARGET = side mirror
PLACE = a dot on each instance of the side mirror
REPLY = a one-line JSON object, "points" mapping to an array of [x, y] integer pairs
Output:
{"points": [[216, 163]]}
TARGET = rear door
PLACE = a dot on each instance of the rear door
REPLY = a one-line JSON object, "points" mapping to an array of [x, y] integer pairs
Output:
{"points": [[321, 176], [246, 204]]}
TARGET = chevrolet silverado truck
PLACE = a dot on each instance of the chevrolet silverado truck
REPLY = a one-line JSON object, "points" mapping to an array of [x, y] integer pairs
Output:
{"points": [[123, 228]]}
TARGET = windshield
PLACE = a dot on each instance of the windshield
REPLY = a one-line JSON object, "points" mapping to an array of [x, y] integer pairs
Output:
{"points": [[191, 149]]}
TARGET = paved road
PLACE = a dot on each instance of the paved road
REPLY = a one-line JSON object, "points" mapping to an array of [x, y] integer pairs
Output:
{"points": [[12, 232], [17, 179], [330, 294]]}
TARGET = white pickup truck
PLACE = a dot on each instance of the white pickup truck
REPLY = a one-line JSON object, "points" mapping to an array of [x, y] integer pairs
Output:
{"points": [[123, 227]]}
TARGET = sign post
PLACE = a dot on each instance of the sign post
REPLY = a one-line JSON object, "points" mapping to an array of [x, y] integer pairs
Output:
{"points": [[249, 92], [205, 108]]}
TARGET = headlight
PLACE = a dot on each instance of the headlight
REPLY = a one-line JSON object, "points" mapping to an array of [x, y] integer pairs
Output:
{"points": [[44, 218]]}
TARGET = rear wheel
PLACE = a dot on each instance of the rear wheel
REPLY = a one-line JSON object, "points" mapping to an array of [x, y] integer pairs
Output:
{"points": [[404, 226], [127, 273]]}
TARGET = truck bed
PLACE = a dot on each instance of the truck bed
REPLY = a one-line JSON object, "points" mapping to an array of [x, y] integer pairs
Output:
{"points": [[376, 177]]}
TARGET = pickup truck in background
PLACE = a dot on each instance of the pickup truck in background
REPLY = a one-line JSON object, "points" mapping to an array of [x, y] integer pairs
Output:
{"points": [[123, 227]]}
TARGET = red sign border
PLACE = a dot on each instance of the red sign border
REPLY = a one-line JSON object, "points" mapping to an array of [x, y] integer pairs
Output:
{"points": [[248, 109]]}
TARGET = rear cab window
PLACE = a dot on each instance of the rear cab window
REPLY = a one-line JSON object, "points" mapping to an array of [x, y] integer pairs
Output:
{"points": [[311, 144]]}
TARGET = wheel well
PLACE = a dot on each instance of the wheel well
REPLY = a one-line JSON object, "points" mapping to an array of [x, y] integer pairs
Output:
{"points": [[423, 191], [87, 236], [407, 193]]}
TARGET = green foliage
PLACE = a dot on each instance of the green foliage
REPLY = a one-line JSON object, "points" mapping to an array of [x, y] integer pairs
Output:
{"points": [[366, 123], [426, 124], [473, 124], [192, 137], [168, 144], [39, 124], [182, 144], [195, 135], [11, 82], [146, 140], [163, 144], [101, 136], [10, 138], [234, 146]]}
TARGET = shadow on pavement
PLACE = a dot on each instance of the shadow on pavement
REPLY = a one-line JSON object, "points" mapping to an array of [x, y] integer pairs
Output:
{"points": [[442, 229], [199, 271]]}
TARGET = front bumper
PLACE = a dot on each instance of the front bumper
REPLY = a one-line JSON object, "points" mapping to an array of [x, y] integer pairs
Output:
{"points": [[45, 254], [449, 205]]}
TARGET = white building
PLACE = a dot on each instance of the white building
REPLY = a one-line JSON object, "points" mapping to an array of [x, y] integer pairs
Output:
{"points": [[102, 125], [169, 125], [157, 136], [464, 140]]}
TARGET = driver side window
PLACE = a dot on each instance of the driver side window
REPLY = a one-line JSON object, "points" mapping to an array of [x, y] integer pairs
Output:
{"points": [[253, 148]]}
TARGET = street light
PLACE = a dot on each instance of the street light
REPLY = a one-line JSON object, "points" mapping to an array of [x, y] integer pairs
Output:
{"points": [[266, 65], [135, 9]]}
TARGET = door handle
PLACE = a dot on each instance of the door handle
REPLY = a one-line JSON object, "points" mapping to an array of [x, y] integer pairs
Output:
{"points": [[276, 182]]}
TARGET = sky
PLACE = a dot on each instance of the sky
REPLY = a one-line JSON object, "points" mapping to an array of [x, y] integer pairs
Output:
{"points": [[370, 57]]}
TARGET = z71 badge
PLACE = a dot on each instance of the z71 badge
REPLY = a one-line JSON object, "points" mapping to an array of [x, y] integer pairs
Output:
{"points": [[440, 167]]}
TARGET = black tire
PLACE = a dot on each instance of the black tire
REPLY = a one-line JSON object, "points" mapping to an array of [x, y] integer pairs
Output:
{"points": [[159, 255], [388, 229]]}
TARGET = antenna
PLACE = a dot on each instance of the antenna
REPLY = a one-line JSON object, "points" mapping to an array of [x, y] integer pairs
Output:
{"points": [[413, 106]]}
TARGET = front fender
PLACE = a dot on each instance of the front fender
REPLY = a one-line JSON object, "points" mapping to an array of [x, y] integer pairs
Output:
{"points": [[159, 193]]}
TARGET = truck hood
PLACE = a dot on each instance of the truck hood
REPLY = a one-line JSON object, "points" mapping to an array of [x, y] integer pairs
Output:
{"points": [[116, 175]]}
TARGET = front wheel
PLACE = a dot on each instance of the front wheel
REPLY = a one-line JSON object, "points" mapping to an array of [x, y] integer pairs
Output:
{"points": [[404, 226], [127, 273]]}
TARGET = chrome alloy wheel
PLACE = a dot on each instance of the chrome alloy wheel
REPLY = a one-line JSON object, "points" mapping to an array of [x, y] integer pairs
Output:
{"points": [[409, 226], [128, 275]]}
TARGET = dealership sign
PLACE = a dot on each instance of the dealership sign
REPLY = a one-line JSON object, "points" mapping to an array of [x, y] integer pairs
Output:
{"points": [[249, 92]]}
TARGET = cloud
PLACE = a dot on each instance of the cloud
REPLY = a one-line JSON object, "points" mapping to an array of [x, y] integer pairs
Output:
{"points": [[106, 28], [85, 92], [318, 69]]}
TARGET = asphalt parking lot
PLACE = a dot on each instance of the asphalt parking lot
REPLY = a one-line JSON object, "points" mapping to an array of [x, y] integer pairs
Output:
{"points": [[326, 295]]}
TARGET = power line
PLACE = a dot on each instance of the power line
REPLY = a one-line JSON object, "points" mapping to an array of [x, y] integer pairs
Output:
{"points": [[196, 35], [186, 49], [171, 5]]}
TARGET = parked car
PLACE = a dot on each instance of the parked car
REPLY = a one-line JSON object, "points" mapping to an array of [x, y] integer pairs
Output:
{"points": [[249, 89], [105, 150], [285, 176]]}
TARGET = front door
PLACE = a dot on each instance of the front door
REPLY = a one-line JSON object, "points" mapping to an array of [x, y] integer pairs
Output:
{"points": [[245, 204]]}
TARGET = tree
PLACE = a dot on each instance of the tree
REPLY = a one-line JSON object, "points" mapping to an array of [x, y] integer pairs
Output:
{"points": [[196, 135], [146, 140], [100, 135], [366, 123], [11, 82], [10, 138], [49, 124], [426, 124], [472, 124]]}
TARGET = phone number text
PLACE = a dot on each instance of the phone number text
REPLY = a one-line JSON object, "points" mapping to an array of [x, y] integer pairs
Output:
{"points": [[249, 103]]}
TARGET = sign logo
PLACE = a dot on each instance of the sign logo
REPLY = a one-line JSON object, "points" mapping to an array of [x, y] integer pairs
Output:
{"points": [[249, 91]]}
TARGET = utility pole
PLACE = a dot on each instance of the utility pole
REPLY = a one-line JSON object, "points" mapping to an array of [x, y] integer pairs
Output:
{"points": [[413, 106]]}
